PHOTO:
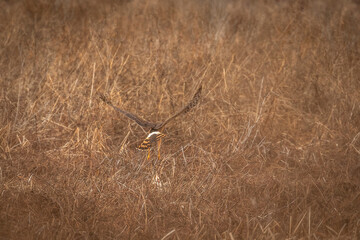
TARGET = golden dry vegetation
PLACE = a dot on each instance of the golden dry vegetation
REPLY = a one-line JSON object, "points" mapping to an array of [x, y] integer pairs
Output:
{"points": [[271, 152]]}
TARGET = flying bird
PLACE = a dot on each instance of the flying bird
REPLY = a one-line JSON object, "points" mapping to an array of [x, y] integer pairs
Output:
{"points": [[155, 128]]}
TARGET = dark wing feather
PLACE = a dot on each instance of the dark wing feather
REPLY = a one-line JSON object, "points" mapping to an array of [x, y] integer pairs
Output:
{"points": [[137, 119], [194, 101]]}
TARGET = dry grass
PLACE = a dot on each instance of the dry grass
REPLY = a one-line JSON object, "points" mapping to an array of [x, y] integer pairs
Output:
{"points": [[271, 152]]}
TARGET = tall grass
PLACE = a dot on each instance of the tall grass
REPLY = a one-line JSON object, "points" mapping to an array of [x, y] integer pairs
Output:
{"points": [[271, 152]]}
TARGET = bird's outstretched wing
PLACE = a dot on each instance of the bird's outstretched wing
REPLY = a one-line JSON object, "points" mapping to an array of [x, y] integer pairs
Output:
{"points": [[194, 101], [138, 120]]}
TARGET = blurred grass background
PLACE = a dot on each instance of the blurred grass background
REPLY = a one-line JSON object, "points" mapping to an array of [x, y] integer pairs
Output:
{"points": [[271, 152]]}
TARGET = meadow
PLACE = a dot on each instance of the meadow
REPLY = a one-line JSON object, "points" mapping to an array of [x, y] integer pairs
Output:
{"points": [[272, 150]]}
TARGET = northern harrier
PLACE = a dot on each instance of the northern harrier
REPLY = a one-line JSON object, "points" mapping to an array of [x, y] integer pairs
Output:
{"points": [[155, 134]]}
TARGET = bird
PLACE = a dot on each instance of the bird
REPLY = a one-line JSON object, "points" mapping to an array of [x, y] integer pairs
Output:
{"points": [[155, 128]]}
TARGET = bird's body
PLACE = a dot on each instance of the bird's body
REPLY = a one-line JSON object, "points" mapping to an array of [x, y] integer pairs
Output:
{"points": [[151, 140], [154, 137]]}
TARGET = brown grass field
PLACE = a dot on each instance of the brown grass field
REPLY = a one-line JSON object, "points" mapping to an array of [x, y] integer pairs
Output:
{"points": [[272, 151]]}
